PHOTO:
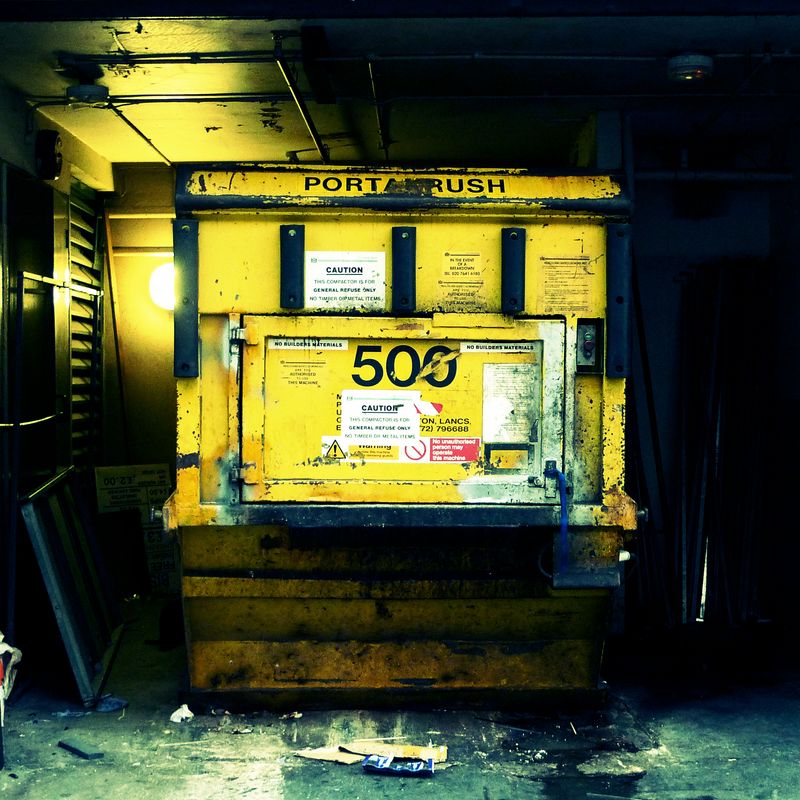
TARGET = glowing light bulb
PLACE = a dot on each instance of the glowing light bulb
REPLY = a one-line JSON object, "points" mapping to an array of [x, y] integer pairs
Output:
{"points": [[162, 286]]}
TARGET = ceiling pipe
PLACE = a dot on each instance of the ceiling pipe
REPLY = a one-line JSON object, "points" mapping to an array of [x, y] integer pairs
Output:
{"points": [[713, 176], [207, 57], [140, 99], [269, 57], [139, 133], [57, 10], [294, 90], [570, 57]]}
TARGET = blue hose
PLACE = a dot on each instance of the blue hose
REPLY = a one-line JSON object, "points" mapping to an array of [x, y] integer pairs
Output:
{"points": [[551, 471]]}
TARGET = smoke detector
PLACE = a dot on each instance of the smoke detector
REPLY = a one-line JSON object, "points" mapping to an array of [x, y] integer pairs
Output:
{"points": [[690, 67], [90, 95]]}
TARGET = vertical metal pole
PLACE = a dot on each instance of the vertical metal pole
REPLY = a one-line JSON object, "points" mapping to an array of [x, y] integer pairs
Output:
{"points": [[683, 434], [112, 302], [62, 330], [5, 498], [16, 449]]}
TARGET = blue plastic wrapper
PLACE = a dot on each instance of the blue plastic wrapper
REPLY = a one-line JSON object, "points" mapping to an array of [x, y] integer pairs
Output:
{"points": [[386, 765]]}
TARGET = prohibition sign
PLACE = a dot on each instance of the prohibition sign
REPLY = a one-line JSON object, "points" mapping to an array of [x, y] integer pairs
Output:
{"points": [[416, 451]]}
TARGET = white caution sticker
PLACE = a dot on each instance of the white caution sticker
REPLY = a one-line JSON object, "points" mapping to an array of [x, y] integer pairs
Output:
{"points": [[305, 343], [380, 417], [498, 347], [340, 279]]}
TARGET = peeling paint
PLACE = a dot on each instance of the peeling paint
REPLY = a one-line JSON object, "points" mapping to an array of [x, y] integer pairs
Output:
{"points": [[415, 186], [186, 460], [270, 117]]}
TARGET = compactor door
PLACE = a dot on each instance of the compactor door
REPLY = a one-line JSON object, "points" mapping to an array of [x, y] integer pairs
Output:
{"points": [[387, 410]]}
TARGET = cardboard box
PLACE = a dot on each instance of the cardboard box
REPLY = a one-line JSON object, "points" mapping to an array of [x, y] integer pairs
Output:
{"points": [[141, 487]]}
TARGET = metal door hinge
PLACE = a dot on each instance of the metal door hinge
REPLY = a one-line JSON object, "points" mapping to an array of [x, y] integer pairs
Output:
{"points": [[244, 335], [245, 473]]}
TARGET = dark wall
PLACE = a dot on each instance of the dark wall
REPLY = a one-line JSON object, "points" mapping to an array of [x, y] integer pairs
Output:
{"points": [[712, 396], [31, 339], [29, 454]]}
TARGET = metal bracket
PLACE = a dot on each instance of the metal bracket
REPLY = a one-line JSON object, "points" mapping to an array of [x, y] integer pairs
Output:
{"points": [[592, 560], [292, 265], [512, 270], [619, 259], [187, 335]]}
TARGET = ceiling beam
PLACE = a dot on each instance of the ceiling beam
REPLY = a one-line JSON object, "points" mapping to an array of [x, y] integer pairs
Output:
{"points": [[52, 10]]}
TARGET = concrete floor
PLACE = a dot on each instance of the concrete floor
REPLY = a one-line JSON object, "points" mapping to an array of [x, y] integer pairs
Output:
{"points": [[674, 728]]}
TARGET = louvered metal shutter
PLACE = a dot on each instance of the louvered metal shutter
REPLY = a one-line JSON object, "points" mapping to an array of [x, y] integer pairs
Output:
{"points": [[86, 279]]}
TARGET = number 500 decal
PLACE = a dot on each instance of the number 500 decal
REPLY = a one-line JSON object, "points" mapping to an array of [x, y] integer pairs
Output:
{"points": [[403, 365]]}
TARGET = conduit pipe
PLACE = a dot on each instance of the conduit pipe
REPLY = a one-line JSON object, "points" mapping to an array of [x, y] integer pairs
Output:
{"points": [[713, 176]]}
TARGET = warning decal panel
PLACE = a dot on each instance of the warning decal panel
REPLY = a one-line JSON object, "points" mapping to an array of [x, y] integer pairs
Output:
{"points": [[422, 450], [462, 283], [341, 280], [509, 404], [380, 417], [301, 361], [343, 414], [305, 343]]}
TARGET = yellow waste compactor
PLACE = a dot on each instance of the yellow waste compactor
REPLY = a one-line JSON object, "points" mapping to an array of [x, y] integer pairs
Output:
{"points": [[401, 410]]}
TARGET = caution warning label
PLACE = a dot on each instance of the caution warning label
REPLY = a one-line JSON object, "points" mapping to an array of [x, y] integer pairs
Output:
{"points": [[441, 449], [454, 449], [336, 448], [333, 450], [380, 417], [422, 450], [343, 280]]}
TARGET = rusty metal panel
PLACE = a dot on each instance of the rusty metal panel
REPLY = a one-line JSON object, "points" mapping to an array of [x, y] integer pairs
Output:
{"points": [[258, 187], [337, 619], [421, 665], [403, 410], [357, 551], [219, 410], [458, 259], [289, 586], [362, 496], [592, 559], [586, 441]]}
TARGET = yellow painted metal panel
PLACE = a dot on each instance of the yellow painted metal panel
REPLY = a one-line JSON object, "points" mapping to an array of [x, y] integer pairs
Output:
{"points": [[319, 386], [188, 434], [613, 436], [218, 410], [239, 547], [566, 269], [354, 552], [428, 665], [586, 439], [401, 410], [379, 588], [332, 619], [491, 188], [458, 261]]}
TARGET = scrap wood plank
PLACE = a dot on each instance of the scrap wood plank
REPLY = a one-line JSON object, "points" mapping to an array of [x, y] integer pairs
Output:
{"points": [[334, 754], [371, 748]]}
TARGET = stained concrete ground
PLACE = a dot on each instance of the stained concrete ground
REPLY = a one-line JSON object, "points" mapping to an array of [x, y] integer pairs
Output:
{"points": [[678, 724]]}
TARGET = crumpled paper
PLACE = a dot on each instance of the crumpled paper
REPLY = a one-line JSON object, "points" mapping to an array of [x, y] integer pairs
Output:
{"points": [[181, 714]]}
